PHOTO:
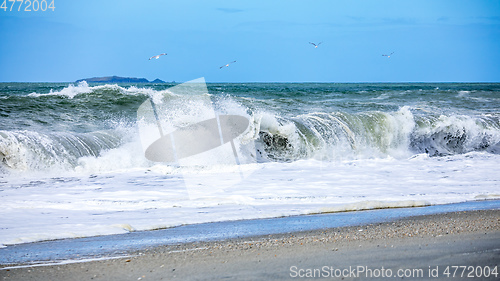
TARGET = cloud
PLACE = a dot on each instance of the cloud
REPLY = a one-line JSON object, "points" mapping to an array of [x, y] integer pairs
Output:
{"points": [[443, 19], [382, 20], [230, 10]]}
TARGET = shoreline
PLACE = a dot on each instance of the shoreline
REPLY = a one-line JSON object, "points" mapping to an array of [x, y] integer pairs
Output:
{"points": [[420, 243], [424, 241], [118, 245]]}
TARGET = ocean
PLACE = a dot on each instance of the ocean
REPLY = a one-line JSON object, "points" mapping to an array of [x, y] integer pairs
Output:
{"points": [[73, 164]]}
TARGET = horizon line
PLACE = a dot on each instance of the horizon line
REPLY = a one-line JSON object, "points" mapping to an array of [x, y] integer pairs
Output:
{"points": [[273, 82]]}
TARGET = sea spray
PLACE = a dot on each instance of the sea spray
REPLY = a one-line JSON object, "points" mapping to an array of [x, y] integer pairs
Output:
{"points": [[55, 128], [33, 151], [72, 162]]}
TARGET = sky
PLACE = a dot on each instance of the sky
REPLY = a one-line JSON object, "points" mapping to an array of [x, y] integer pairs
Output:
{"points": [[432, 40]]}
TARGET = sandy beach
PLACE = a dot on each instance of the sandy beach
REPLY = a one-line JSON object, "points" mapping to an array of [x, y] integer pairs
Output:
{"points": [[416, 248]]}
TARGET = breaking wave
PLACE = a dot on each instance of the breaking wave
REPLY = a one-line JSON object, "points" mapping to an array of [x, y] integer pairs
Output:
{"points": [[292, 134], [34, 151], [328, 136]]}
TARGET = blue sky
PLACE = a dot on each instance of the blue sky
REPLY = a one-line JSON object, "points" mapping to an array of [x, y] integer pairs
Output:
{"points": [[432, 41]]}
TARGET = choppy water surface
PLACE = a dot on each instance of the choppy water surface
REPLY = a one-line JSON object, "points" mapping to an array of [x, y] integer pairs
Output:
{"points": [[72, 159]]}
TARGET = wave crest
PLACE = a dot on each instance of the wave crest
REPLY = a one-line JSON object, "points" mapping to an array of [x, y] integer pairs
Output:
{"points": [[338, 135], [33, 151], [326, 136]]}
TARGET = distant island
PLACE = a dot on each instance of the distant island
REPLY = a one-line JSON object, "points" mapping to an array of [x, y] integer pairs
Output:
{"points": [[117, 79]]}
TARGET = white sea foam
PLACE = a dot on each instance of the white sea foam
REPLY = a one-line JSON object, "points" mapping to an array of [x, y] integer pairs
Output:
{"points": [[83, 87], [63, 262], [463, 93], [74, 205], [70, 91]]}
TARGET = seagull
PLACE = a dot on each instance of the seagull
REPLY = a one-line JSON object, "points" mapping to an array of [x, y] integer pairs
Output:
{"points": [[226, 65], [315, 45], [157, 56], [389, 55]]}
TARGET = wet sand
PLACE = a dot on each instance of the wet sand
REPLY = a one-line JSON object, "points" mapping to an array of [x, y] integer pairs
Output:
{"points": [[416, 248]]}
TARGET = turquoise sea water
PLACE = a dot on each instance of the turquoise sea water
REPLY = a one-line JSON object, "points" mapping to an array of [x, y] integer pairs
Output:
{"points": [[328, 120], [72, 161]]}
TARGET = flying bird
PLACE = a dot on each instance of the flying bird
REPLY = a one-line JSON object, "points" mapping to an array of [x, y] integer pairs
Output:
{"points": [[157, 56], [315, 45], [226, 65], [389, 55]]}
